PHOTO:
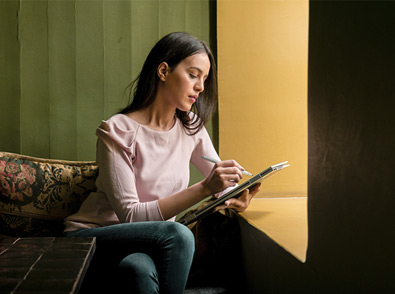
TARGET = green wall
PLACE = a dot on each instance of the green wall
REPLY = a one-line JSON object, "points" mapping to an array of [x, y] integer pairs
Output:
{"points": [[65, 64]]}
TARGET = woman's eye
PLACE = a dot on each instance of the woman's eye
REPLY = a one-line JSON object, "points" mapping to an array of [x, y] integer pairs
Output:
{"points": [[192, 76]]}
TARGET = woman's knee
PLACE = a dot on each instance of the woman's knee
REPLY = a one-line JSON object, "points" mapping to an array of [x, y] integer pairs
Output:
{"points": [[140, 268], [138, 264], [183, 234], [175, 238]]}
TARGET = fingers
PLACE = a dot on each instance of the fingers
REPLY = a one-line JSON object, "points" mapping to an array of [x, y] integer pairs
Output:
{"points": [[240, 204], [229, 163], [255, 189], [229, 170], [224, 174], [228, 173]]}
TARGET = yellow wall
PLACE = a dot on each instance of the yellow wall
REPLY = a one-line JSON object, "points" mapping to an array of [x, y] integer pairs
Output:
{"points": [[262, 76]]}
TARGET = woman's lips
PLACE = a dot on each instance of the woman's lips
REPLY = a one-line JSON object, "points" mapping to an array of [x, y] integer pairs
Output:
{"points": [[194, 98]]}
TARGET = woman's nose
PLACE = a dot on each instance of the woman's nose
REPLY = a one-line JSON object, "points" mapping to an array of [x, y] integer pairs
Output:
{"points": [[199, 86]]}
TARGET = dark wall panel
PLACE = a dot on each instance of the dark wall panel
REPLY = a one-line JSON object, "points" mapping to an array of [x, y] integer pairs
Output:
{"points": [[351, 145]]}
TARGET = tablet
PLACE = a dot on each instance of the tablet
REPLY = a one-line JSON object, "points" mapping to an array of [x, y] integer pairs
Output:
{"points": [[236, 192]]}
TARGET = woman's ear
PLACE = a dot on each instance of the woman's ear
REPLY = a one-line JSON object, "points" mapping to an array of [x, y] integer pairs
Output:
{"points": [[163, 69]]}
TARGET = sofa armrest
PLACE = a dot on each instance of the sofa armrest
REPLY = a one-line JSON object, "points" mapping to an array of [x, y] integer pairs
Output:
{"points": [[36, 194]]}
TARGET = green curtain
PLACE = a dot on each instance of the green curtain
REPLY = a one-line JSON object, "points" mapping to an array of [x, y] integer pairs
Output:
{"points": [[65, 65]]}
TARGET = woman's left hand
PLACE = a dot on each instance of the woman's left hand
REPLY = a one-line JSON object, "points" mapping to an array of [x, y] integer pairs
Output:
{"points": [[240, 204]]}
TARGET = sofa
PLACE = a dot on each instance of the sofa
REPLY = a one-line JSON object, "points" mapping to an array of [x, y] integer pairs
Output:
{"points": [[36, 194]]}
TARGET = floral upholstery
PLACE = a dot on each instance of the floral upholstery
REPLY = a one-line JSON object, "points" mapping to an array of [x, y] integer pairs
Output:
{"points": [[37, 194]]}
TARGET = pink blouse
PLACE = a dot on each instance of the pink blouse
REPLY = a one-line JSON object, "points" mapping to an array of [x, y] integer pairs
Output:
{"points": [[137, 167]]}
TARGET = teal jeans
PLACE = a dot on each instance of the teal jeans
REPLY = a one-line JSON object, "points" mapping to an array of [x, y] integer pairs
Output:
{"points": [[143, 257]]}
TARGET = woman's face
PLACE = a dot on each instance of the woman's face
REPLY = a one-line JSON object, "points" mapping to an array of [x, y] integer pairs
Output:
{"points": [[182, 85]]}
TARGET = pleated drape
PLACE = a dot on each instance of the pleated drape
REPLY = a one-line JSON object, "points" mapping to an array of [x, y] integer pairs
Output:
{"points": [[64, 65]]}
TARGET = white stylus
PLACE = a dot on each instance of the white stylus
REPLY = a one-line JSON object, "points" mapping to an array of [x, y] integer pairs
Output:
{"points": [[215, 161]]}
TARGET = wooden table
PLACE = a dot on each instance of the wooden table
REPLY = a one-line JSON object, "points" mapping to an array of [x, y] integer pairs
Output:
{"points": [[44, 264]]}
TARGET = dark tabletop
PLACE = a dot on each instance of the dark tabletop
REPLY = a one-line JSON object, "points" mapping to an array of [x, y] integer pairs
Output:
{"points": [[44, 264]]}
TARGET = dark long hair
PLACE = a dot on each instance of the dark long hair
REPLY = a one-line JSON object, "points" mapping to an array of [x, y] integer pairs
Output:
{"points": [[172, 49]]}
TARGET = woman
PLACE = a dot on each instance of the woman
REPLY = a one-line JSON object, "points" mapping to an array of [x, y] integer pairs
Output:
{"points": [[143, 153]]}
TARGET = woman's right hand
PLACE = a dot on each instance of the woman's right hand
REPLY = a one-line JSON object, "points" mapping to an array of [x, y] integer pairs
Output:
{"points": [[223, 175]]}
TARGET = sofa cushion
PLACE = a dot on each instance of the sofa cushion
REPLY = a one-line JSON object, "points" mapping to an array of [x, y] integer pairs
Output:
{"points": [[36, 194]]}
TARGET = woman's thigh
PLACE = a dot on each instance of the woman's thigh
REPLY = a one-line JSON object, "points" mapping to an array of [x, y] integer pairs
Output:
{"points": [[118, 241], [169, 244]]}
